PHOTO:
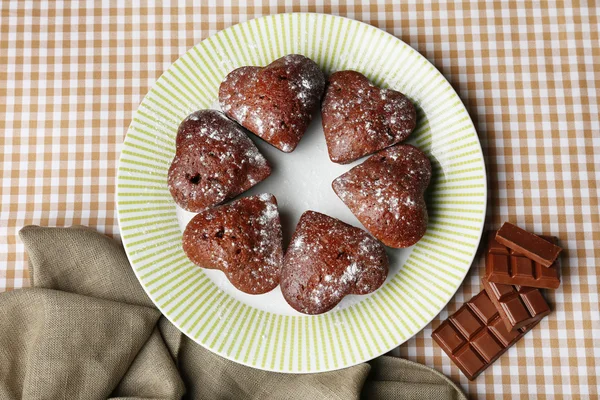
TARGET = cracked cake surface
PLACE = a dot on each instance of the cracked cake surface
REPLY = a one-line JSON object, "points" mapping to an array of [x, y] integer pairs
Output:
{"points": [[214, 161], [275, 102], [386, 194], [243, 239], [328, 259], [359, 118]]}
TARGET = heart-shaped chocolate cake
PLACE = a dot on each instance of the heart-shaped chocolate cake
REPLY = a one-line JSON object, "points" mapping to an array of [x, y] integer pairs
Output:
{"points": [[328, 259], [242, 239], [360, 118], [275, 102], [386, 194], [215, 160]]}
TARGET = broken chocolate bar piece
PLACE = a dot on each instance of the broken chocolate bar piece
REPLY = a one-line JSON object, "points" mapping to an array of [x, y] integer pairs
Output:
{"points": [[503, 265], [518, 305], [531, 246], [475, 335]]}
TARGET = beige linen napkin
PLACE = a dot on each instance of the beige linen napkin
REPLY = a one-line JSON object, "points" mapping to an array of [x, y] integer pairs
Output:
{"points": [[87, 330]]}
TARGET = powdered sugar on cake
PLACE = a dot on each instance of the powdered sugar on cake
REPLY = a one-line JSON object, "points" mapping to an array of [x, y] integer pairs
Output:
{"points": [[215, 160], [275, 102], [328, 259], [359, 118], [386, 194], [243, 239]]}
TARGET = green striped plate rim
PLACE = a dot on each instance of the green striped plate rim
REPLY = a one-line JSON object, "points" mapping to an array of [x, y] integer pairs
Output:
{"points": [[407, 302]]}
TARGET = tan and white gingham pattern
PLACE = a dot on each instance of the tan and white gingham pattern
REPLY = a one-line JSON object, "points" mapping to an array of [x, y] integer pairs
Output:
{"points": [[72, 74]]}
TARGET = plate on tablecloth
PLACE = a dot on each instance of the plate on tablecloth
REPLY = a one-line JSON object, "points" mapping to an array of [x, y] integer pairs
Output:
{"points": [[263, 331]]}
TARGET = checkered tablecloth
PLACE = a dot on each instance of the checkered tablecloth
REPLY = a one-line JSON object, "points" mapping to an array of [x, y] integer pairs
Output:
{"points": [[72, 74]]}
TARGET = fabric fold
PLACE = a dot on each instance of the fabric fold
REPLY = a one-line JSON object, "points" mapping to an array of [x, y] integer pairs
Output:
{"points": [[87, 330], [56, 344]]}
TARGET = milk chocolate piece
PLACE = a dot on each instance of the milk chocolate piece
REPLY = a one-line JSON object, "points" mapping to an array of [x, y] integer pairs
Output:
{"points": [[518, 305], [475, 335], [503, 265], [531, 246]]}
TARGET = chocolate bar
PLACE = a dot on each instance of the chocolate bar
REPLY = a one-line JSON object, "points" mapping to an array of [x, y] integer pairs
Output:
{"points": [[518, 305], [503, 265], [532, 246], [475, 335]]}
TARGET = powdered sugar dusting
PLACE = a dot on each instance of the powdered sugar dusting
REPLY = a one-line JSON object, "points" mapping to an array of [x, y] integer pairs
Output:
{"points": [[386, 193], [269, 213], [240, 114], [298, 242], [328, 259], [350, 274], [275, 102], [215, 160], [359, 118], [243, 239]]}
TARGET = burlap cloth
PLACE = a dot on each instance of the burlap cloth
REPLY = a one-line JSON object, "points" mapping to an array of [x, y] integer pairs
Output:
{"points": [[87, 330]]}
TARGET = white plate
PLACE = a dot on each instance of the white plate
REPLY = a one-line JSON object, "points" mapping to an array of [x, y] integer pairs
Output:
{"points": [[264, 331]]}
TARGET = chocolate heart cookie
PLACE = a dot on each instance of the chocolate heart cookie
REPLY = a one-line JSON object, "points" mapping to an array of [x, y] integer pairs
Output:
{"points": [[327, 260], [214, 161], [386, 194], [360, 118], [275, 102], [242, 239]]}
